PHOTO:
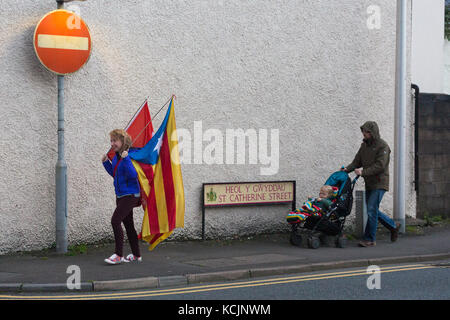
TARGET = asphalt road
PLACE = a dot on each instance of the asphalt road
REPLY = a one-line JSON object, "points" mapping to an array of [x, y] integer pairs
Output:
{"points": [[414, 282], [424, 281]]}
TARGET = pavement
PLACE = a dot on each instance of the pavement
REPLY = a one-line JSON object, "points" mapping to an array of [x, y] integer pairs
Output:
{"points": [[175, 263]]}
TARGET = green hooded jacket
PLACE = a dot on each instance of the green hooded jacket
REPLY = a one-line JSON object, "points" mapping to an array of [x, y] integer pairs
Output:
{"points": [[373, 157]]}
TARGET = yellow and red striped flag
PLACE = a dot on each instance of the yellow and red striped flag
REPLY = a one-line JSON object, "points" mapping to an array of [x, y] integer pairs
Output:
{"points": [[159, 174]]}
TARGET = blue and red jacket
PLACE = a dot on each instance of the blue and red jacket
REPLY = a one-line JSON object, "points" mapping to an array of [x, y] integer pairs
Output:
{"points": [[125, 177]]}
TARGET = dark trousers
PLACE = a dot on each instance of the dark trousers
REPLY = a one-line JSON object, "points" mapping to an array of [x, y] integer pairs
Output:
{"points": [[124, 213]]}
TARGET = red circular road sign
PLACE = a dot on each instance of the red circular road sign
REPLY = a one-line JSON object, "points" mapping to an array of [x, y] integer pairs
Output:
{"points": [[62, 41]]}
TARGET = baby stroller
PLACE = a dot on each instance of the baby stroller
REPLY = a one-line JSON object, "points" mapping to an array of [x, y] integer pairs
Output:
{"points": [[330, 223]]}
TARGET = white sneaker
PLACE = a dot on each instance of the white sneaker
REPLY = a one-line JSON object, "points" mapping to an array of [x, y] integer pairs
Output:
{"points": [[131, 257], [115, 259]]}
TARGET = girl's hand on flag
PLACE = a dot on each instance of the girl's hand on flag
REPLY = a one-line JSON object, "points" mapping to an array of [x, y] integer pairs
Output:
{"points": [[104, 158], [124, 154]]}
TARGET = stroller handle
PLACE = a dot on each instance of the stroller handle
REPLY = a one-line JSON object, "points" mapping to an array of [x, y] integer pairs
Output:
{"points": [[355, 179]]}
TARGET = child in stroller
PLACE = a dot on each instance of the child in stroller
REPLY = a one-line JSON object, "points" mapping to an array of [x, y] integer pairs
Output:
{"points": [[314, 206], [321, 217]]}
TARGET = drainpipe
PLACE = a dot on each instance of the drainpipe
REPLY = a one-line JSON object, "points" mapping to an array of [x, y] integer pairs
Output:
{"points": [[400, 117], [416, 136]]}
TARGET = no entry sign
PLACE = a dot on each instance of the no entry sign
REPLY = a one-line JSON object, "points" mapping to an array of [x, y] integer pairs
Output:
{"points": [[62, 41]]}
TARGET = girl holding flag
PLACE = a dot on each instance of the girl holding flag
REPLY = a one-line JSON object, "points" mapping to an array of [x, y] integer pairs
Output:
{"points": [[127, 190]]}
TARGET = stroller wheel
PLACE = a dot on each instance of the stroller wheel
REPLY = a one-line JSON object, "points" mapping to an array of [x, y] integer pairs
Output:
{"points": [[313, 242], [341, 242], [323, 239], [296, 239]]}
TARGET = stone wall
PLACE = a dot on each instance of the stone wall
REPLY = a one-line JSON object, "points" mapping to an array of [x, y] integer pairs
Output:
{"points": [[434, 155]]}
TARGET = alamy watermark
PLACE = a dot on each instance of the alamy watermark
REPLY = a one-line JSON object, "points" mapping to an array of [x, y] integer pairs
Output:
{"points": [[74, 280], [374, 280], [234, 146], [374, 19]]}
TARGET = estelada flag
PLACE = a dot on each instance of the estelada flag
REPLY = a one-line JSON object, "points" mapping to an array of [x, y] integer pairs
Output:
{"points": [[159, 174], [139, 128]]}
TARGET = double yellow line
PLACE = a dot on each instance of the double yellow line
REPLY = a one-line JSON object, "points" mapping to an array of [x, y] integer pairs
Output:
{"points": [[215, 287]]}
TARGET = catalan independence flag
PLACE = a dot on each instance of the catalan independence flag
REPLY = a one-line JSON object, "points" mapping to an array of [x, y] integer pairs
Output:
{"points": [[159, 174]]}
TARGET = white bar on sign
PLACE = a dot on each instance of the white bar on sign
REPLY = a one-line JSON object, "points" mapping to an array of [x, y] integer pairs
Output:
{"points": [[63, 42]]}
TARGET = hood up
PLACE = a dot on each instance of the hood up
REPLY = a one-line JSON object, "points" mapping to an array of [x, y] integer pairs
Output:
{"points": [[372, 127]]}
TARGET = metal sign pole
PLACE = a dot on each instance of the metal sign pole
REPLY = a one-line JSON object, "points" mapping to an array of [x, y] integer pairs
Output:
{"points": [[61, 171]]}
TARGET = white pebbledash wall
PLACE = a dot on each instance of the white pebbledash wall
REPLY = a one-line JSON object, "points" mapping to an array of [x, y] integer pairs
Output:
{"points": [[311, 69], [427, 45]]}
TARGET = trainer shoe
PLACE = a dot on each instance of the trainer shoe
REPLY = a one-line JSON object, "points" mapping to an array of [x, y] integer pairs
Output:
{"points": [[394, 233], [365, 243], [115, 259], [131, 257]]}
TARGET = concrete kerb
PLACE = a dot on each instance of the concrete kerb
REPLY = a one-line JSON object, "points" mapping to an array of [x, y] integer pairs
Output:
{"points": [[10, 287], [218, 276], [54, 287], [43, 287], [138, 283], [167, 281]]}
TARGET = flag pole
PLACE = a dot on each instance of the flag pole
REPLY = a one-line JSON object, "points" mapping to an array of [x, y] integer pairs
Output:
{"points": [[153, 119], [164, 105], [142, 104]]}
